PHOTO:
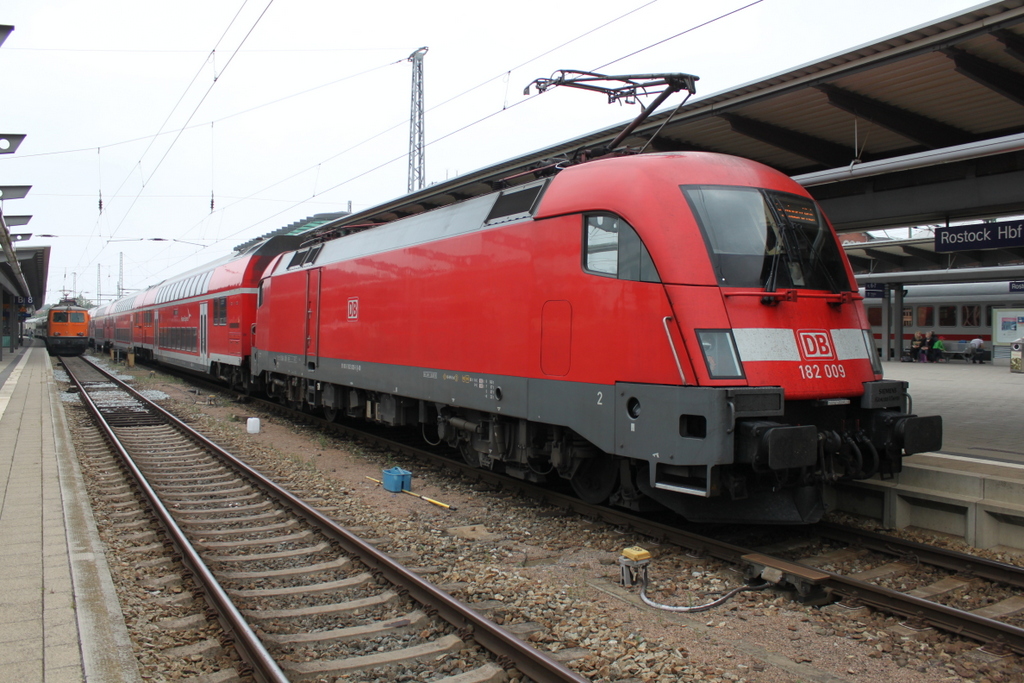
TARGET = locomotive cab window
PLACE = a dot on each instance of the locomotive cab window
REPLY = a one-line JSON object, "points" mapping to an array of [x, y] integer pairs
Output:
{"points": [[612, 248], [767, 239]]}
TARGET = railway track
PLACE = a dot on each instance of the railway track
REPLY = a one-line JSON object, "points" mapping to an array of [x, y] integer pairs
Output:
{"points": [[928, 586], [301, 597]]}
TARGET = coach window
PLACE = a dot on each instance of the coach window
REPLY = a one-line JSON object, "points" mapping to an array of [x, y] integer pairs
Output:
{"points": [[612, 247], [875, 317], [220, 311], [947, 316], [925, 316], [970, 316], [908, 316], [259, 295]]}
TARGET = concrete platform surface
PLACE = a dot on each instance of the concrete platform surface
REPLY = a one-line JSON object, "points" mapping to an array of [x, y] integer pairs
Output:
{"points": [[982, 406], [59, 616]]}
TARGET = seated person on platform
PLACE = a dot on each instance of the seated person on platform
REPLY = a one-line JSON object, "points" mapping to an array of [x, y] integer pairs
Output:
{"points": [[926, 347], [976, 350], [915, 346], [935, 353]]}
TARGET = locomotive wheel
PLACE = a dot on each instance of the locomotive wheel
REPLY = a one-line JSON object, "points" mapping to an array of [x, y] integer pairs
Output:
{"points": [[330, 414], [596, 478], [469, 454]]}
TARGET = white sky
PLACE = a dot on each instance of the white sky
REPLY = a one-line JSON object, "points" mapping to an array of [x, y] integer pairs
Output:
{"points": [[312, 111]]}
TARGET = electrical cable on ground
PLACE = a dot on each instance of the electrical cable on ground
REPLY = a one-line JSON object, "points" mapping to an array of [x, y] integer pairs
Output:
{"points": [[697, 608]]}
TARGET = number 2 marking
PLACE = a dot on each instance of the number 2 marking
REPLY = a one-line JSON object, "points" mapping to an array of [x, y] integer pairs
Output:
{"points": [[600, 398]]}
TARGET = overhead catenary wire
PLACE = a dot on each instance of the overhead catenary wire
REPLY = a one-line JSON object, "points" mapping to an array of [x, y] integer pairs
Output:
{"points": [[681, 33], [99, 177]]}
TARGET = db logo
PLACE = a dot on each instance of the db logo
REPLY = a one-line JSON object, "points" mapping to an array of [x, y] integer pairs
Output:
{"points": [[353, 309], [815, 345]]}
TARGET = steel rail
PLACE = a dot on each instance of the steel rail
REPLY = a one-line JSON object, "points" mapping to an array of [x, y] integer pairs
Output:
{"points": [[940, 557], [948, 618], [248, 645], [510, 650]]}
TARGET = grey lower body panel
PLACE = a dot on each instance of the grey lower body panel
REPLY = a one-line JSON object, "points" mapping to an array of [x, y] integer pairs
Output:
{"points": [[678, 425], [585, 408]]}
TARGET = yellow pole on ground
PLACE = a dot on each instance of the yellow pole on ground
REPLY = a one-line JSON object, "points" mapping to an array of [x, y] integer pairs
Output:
{"points": [[416, 495]]}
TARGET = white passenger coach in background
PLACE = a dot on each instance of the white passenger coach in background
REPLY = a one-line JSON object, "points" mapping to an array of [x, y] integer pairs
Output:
{"points": [[956, 312]]}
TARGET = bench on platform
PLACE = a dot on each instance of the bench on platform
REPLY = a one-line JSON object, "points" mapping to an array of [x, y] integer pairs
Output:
{"points": [[956, 349]]}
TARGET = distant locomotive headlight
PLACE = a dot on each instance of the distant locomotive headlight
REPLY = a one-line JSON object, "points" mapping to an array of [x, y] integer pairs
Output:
{"points": [[633, 407], [876, 362], [720, 354]]}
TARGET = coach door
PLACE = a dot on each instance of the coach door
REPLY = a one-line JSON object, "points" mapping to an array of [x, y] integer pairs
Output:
{"points": [[204, 353], [312, 317]]}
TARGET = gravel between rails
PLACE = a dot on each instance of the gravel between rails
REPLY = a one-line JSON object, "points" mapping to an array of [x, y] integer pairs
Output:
{"points": [[552, 576]]}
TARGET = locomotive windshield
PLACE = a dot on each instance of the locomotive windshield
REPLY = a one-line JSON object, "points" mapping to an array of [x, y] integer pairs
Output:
{"points": [[68, 316], [767, 239]]}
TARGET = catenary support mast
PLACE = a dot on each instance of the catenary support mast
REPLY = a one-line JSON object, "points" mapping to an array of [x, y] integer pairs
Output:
{"points": [[416, 155]]}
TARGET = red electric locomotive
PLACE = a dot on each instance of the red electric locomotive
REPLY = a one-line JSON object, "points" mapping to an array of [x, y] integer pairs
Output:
{"points": [[676, 329]]}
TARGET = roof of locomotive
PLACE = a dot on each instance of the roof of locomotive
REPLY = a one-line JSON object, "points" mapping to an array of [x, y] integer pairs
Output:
{"points": [[620, 183], [643, 189]]}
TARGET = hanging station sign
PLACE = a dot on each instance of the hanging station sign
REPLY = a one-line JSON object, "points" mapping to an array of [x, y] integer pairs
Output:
{"points": [[980, 236]]}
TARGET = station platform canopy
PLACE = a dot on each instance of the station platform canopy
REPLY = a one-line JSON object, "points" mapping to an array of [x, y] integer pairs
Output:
{"points": [[916, 260], [34, 264], [923, 126]]}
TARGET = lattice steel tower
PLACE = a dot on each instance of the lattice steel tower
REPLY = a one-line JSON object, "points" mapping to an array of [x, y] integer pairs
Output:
{"points": [[417, 164]]}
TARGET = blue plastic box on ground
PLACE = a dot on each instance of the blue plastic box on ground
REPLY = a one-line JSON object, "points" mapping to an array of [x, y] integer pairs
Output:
{"points": [[397, 479]]}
